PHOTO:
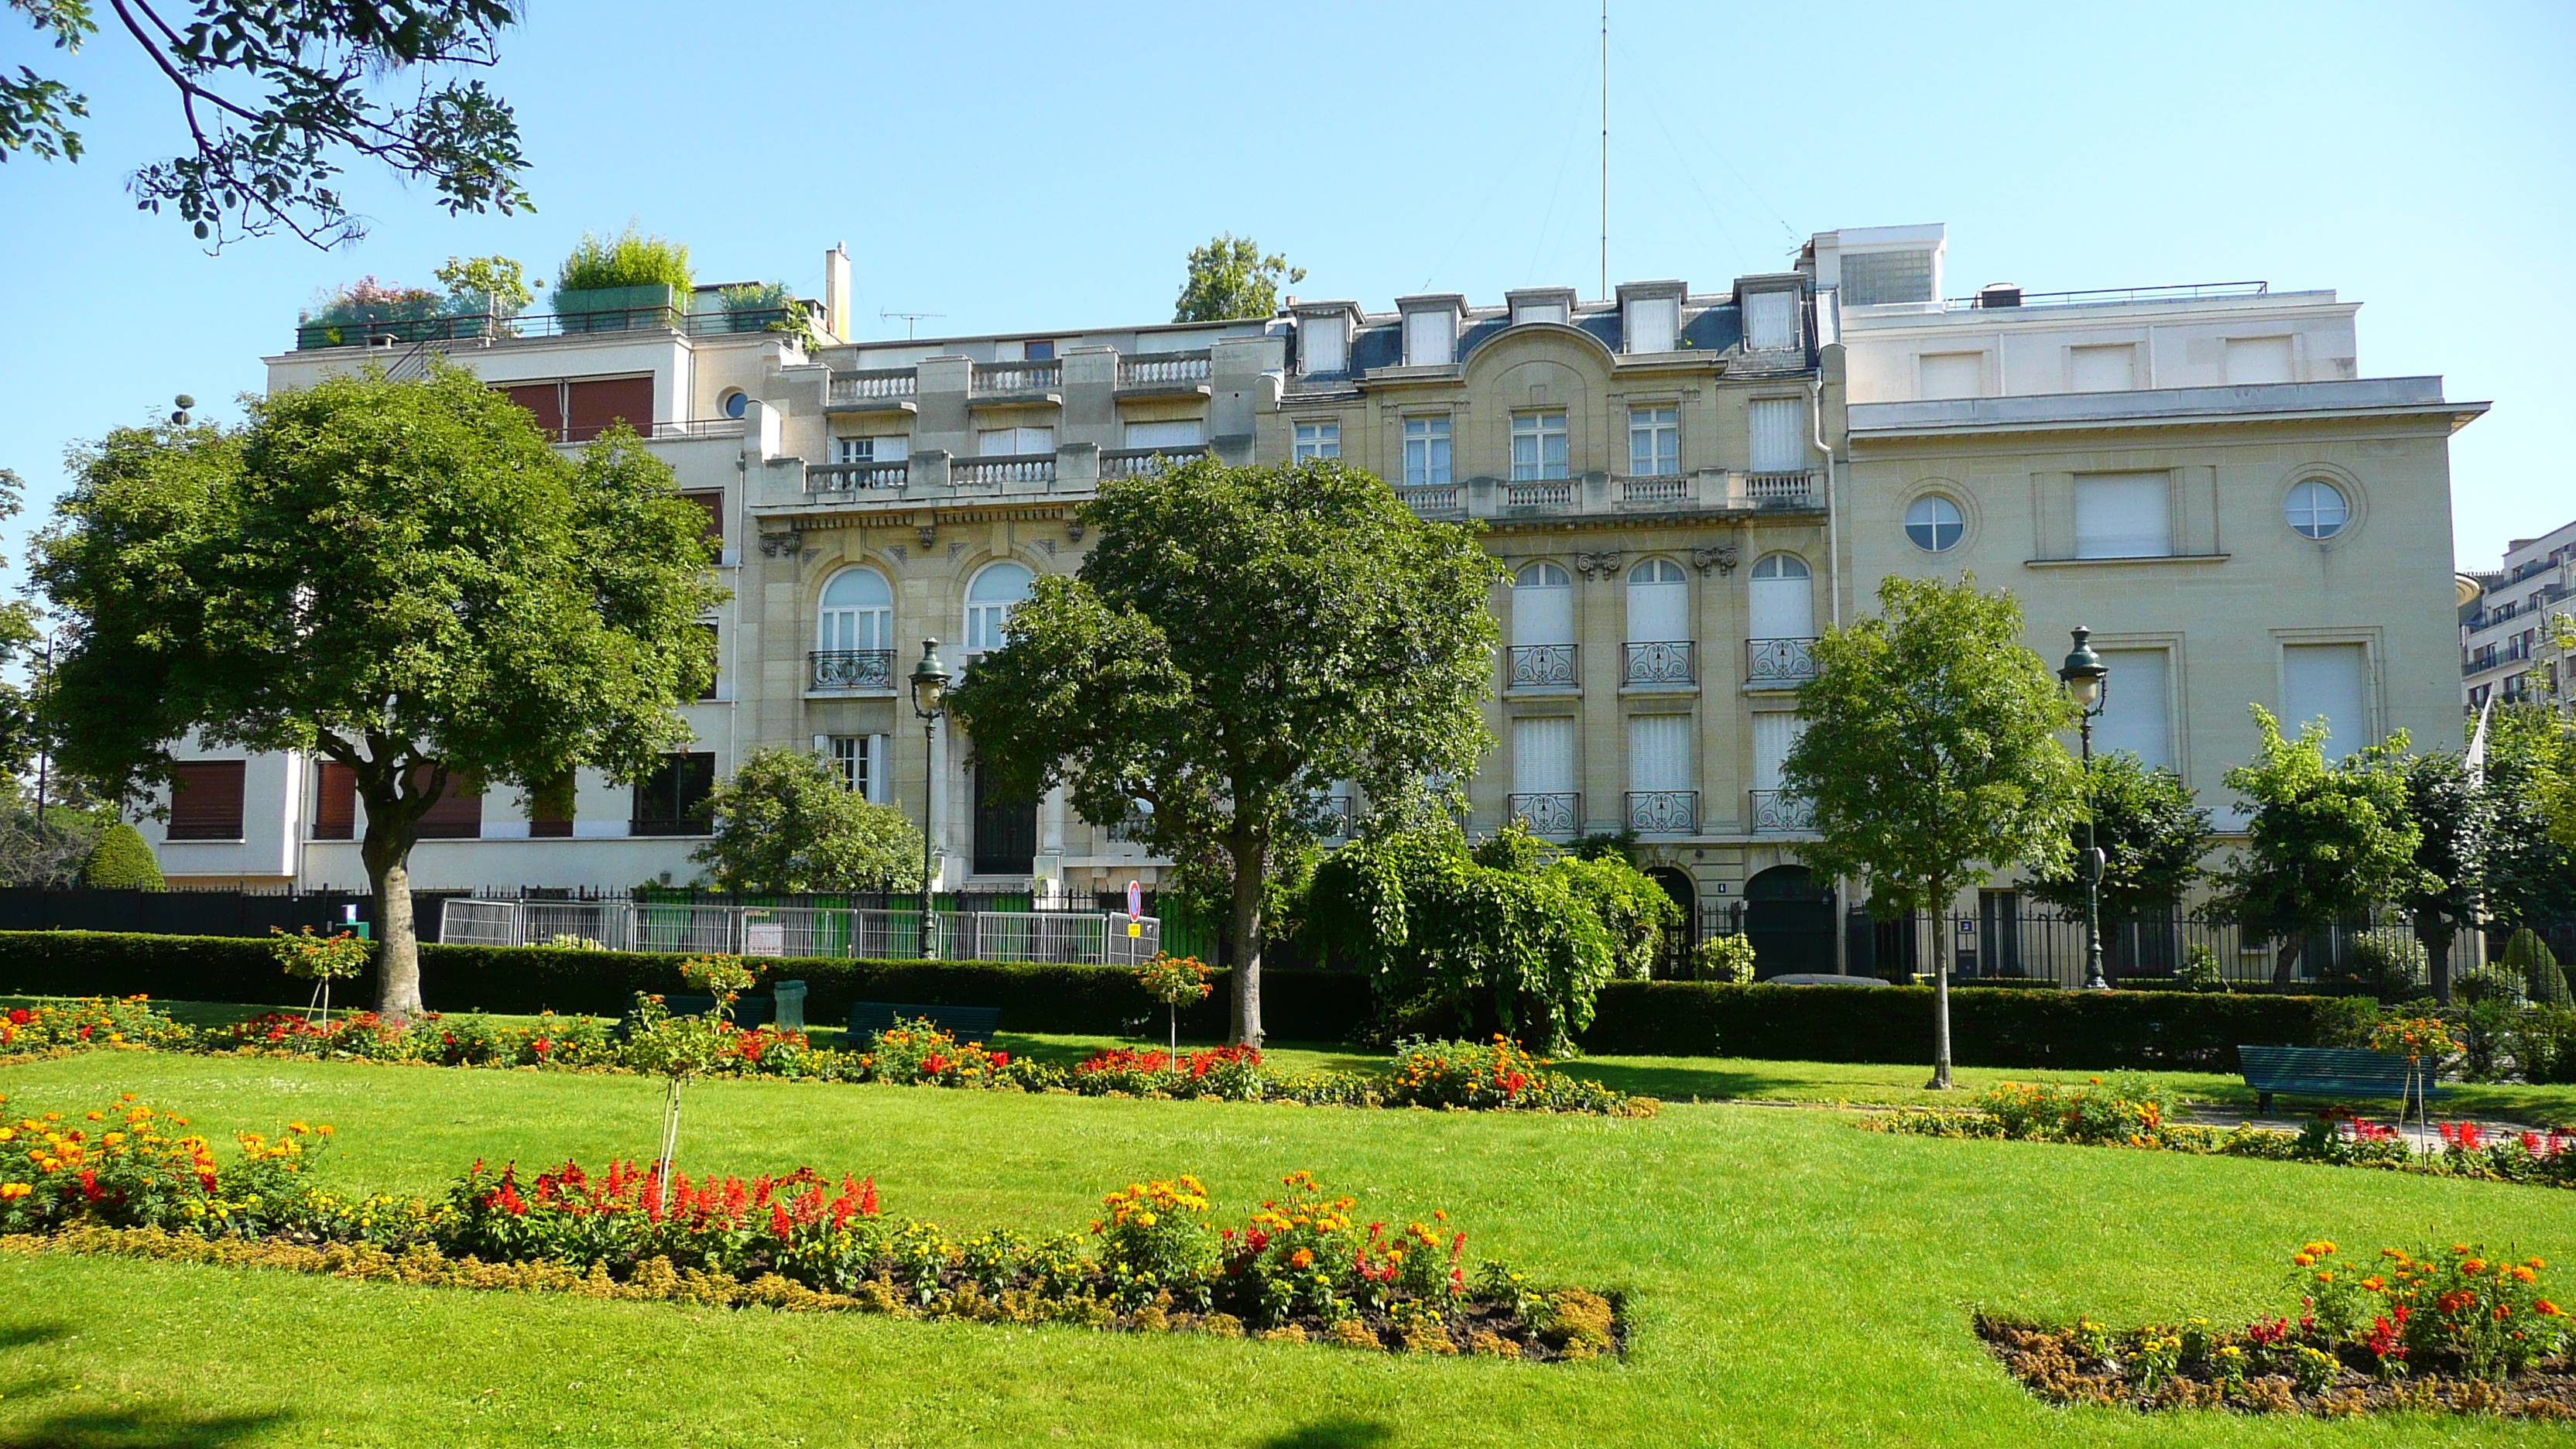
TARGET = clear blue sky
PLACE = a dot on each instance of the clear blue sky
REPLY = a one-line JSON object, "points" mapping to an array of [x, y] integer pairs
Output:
{"points": [[1031, 166]]}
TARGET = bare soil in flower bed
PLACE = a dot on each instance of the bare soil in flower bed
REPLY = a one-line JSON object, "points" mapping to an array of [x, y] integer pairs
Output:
{"points": [[2053, 1365], [1474, 1327]]}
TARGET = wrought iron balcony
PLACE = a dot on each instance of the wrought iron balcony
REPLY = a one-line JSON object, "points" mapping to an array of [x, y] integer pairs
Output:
{"points": [[850, 669], [1659, 662], [1776, 812], [1778, 663], [1663, 812], [1550, 814], [1542, 666]]}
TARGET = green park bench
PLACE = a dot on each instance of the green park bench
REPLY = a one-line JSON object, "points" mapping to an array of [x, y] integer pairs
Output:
{"points": [[966, 1023], [2325, 1072]]}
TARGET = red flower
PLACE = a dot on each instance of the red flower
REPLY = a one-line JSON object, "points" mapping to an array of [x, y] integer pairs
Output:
{"points": [[21, 1016], [868, 1197], [778, 1224]]}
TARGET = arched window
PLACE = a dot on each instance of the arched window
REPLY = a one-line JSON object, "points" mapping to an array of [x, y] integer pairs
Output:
{"points": [[1934, 523], [1783, 605], [1542, 605], [2317, 508], [857, 613], [989, 602], [1658, 603]]}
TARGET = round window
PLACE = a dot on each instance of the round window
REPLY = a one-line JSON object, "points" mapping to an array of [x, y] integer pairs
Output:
{"points": [[2317, 509], [1934, 523], [735, 404]]}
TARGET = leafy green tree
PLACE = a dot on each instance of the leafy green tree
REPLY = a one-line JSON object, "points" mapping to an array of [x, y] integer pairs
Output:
{"points": [[1238, 640], [2325, 841], [2452, 814], [2529, 957], [2529, 865], [1931, 755], [786, 823], [122, 860], [402, 577], [1230, 278], [496, 285], [628, 259], [2153, 836], [1510, 934], [275, 96]]}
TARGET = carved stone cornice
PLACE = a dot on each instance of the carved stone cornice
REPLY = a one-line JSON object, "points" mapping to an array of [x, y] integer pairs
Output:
{"points": [[1720, 557], [781, 545]]}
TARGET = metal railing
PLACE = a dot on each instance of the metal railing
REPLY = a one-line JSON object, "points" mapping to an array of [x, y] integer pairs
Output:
{"points": [[856, 477], [1139, 462], [1654, 490], [1781, 490], [697, 428], [1009, 377], [1777, 811], [2016, 939], [1664, 661], [850, 669], [1778, 663], [483, 326], [1663, 812], [1165, 369], [1097, 938], [2191, 292], [1541, 666], [1012, 468], [1558, 494], [1556, 813], [888, 384]]}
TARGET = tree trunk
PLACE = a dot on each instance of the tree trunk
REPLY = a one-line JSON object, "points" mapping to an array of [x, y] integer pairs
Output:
{"points": [[1251, 861], [2437, 937], [1940, 998], [387, 853], [2286, 957]]}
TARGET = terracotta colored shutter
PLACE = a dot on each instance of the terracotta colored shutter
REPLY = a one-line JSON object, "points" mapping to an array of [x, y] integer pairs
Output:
{"points": [[592, 404], [712, 500], [458, 812], [550, 810], [335, 803], [545, 399], [206, 801]]}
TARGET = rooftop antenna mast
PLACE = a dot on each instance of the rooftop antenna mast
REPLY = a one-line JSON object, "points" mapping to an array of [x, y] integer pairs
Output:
{"points": [[1605, 149], [909, 318]]}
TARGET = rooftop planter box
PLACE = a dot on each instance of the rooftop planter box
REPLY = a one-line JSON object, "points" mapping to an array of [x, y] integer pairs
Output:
{"points": [[394, 324], [618, 309]]}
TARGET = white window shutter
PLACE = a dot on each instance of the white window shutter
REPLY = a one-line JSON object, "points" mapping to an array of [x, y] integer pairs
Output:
{"points": [[880, 768], [1543, 756], [1779, 434], [1774, 735], [2123, 515], [1771, 320], [1659, 752], [2134, 714], [2328, 681]]}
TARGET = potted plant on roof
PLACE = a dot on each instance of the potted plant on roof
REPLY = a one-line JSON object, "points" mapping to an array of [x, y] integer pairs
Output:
{"points": [[765, 307], [612, 284], [367, 311]]}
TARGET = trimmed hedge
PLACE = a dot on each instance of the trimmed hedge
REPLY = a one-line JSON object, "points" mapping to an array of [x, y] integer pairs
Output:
{"points": [[2065, 1029], [1296, 1005]]}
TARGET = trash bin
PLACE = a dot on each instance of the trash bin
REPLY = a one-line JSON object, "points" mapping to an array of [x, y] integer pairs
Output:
{"points": [[791, 1005]]}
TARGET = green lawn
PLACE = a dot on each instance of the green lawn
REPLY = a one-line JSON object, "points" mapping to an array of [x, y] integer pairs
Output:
{"points": [[1794, 1280]]}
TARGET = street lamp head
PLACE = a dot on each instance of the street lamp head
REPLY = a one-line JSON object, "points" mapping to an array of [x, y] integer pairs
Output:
{"points": [[929, 682], [2084, 672]]}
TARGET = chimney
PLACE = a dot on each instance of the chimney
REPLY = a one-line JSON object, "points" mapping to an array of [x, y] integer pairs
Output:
{"points": [[836, 291]]}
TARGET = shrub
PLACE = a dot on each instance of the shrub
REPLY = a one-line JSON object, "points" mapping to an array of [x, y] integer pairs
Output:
{"points": [[2487, 983], [98, 1022], [122, 860], [2543, 1043], [1724, 958], [2391, 962], [629, 259], [918, 1053], [2129, 1108], [2199, 969], [2529, 957], [368, 300], [1490, 1076], [127, 1166], [1156, 1241], [481, 286], [1230, 1073]]}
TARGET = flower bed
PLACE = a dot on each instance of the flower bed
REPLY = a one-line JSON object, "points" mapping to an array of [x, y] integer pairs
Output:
{"points": [[1300, 1267], [2130, 1112], [1473, 1076], [2450, 1329]]}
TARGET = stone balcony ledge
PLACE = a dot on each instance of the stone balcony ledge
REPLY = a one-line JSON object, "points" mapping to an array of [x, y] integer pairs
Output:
{"points": [[1614, 495]]}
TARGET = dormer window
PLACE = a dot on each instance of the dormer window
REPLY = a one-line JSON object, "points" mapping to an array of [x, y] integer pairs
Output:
{"points": [[1541, 304], [1324, 338], [1430, 330], [1770, 321], [1650, 316]]}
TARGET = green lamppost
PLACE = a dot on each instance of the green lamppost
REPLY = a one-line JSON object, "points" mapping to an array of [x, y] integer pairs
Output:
{"points": [[2087, 681], [929, 699]]}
